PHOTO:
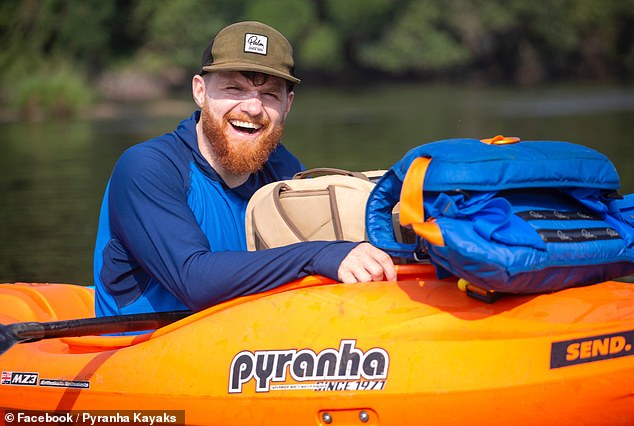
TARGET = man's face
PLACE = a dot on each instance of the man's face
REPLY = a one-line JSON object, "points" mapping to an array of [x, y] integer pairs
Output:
{"points": [[243, 118]]}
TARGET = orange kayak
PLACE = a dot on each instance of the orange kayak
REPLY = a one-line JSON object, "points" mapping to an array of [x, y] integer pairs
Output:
{"points": [[411, 352]]}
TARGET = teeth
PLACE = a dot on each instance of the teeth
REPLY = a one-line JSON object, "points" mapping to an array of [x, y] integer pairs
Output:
{"points": [[245, 124]]}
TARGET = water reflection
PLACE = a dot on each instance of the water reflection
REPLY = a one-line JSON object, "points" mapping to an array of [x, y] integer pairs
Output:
{"points": [[52, 175]]}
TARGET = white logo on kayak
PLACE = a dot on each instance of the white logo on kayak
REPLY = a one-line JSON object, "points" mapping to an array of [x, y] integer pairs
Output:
{"points": [[19, 378], [348, 363]]}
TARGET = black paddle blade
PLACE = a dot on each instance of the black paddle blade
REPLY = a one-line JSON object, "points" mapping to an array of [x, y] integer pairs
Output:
{"points": [[25, 332]]}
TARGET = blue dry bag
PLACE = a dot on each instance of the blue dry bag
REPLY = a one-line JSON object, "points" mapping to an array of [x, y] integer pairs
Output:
{"points": [[508, 216]]}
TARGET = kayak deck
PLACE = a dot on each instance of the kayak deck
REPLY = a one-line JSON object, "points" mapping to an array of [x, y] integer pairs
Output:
{"points": [[408, 352]]}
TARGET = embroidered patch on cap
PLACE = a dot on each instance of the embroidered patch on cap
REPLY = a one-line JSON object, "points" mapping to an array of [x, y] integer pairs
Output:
{"points": [[255, 43]]}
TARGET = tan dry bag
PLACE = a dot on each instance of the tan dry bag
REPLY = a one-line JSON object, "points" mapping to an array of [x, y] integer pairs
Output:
{"points": [[318, 204]]}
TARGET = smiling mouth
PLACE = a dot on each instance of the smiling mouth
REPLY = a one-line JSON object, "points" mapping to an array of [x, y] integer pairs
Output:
{"points": [[245, 126]]}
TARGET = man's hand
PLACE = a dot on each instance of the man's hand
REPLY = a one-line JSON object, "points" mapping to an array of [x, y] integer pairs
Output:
{"points": [[366, 263]]}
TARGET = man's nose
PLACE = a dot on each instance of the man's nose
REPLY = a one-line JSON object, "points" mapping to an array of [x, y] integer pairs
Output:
{"points": [[252, 105]]}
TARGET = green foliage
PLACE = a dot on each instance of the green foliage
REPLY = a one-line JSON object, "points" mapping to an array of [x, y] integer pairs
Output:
{"points": [[50, 46], [418, 40], [177, 31], [321, 51], [358, 19], [290, 17], [59, 93], [497, 40], [33, 31]]}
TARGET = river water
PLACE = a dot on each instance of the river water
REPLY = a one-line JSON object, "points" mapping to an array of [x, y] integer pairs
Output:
{"points": [[52, 174]]}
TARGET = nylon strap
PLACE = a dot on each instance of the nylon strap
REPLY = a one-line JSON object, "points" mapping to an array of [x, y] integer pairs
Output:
{"points": [[412, 208]]}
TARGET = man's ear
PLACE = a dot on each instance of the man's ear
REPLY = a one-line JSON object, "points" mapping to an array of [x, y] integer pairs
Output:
{"points": [[291, 96], [198, 90]]}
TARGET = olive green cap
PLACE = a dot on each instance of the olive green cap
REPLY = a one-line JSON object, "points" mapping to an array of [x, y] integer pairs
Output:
{"points": [[250, 46]]}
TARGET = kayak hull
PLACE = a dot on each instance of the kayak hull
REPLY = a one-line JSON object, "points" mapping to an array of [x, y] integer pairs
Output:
{"points": [[415, 351]]}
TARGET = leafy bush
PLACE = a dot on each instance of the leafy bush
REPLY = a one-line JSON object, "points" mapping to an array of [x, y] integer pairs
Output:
{"points": [[60, 93]]}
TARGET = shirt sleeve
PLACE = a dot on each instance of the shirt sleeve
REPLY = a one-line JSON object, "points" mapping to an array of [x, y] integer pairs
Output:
{"points": [[149, 214]]}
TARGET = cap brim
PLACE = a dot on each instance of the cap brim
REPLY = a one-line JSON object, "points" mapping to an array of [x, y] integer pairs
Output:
{"points": [[242, 66]]}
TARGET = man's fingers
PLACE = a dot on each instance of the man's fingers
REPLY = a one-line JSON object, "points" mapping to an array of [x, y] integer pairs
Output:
{"points": [[352, 270], [366, 263], [384, 265], [374, 270], [346, 277], [387, 265]]}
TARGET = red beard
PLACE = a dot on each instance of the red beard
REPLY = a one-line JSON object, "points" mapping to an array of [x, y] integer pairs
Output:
{"points": [[242, 158]]}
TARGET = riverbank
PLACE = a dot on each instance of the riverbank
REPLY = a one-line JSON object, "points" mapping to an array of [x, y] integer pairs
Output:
{"points": [[112, 110]]}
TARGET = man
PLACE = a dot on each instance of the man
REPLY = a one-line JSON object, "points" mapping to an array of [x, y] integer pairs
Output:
{"points": [[171, 230]]}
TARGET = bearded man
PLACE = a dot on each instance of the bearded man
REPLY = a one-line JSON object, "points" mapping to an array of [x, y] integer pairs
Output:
{"points": [[171, 229]]}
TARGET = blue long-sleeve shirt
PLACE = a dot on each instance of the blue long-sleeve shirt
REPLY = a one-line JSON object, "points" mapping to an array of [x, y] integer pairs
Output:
{"points": [[172, 236]]}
